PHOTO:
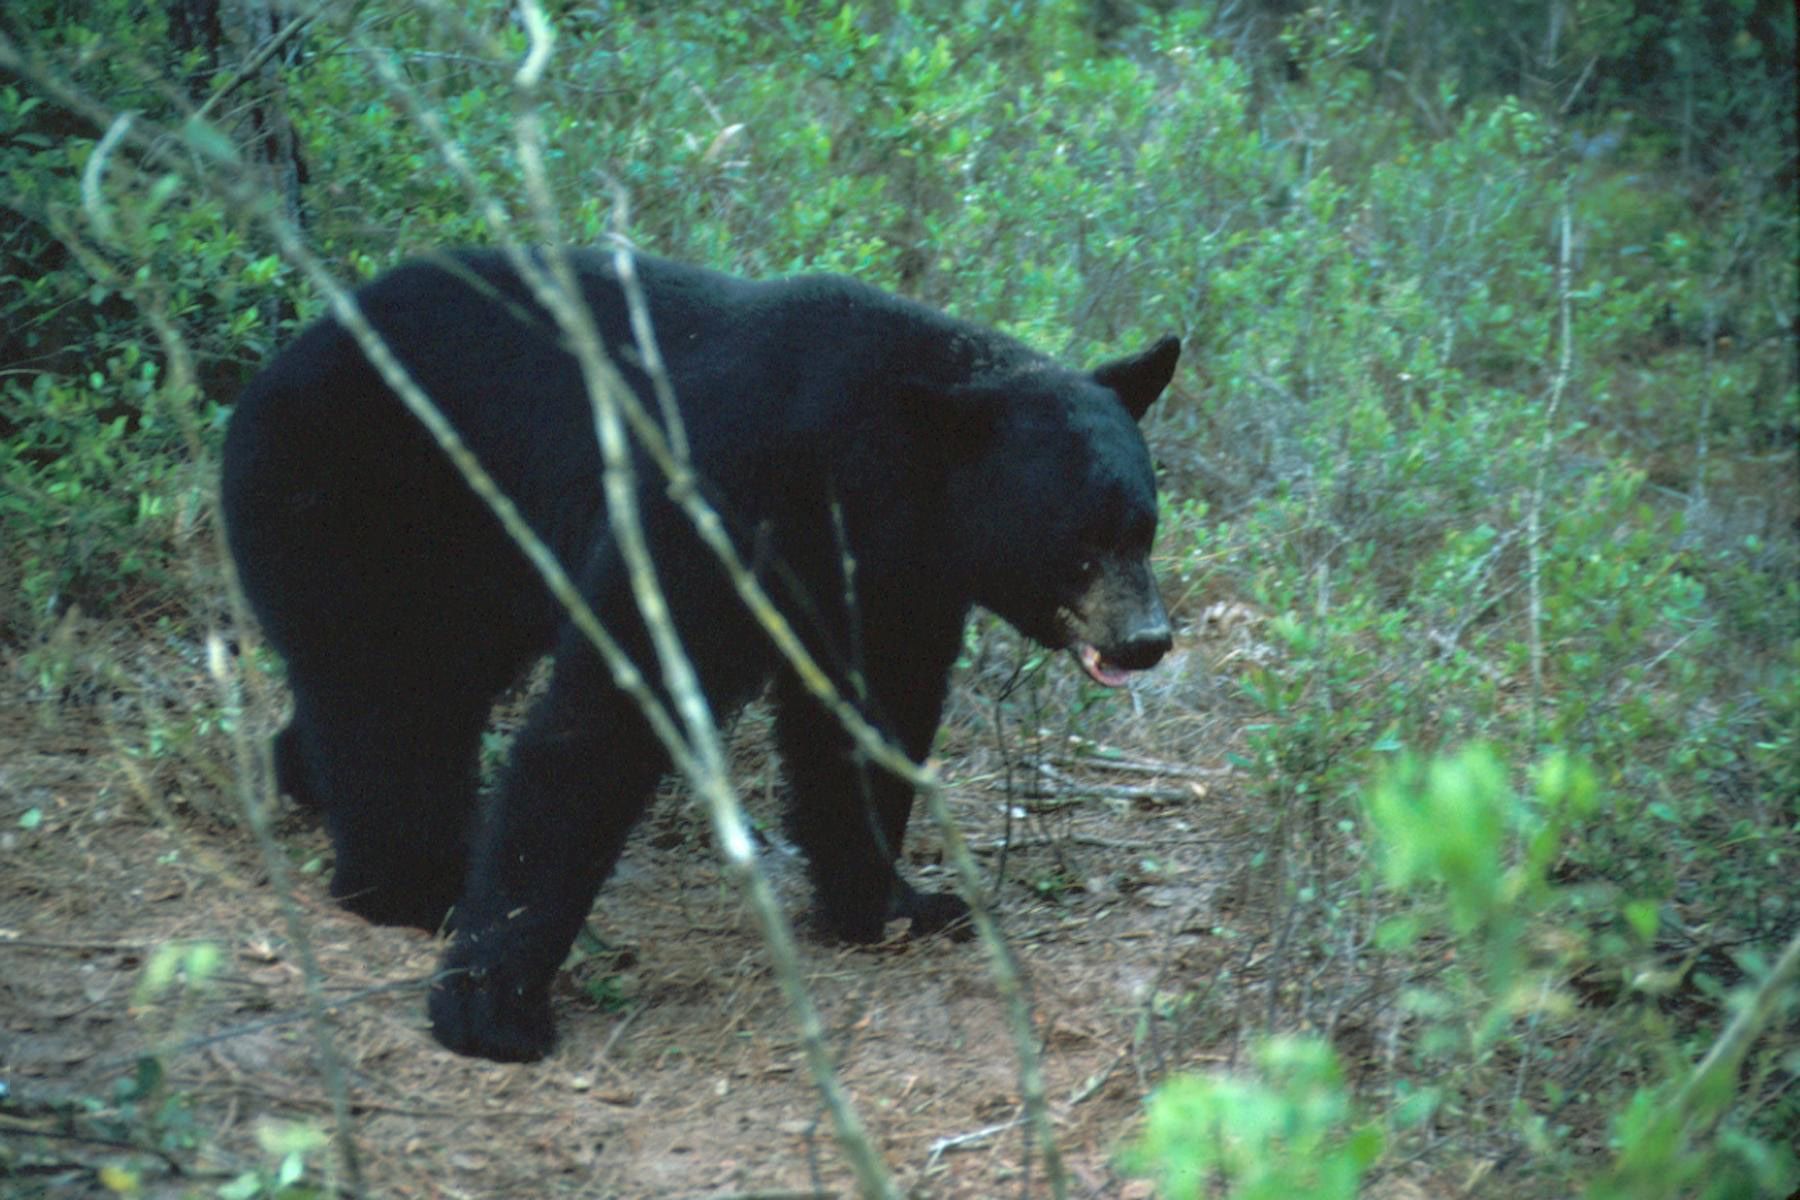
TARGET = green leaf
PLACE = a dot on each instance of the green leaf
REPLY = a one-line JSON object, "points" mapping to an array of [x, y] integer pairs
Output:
{"points": [[293, 1166], [210, 140], [1642, 915], [244, 1187]]}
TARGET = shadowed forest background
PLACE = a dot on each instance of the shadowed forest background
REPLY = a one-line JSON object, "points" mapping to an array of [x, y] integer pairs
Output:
{"points": [[1451, 853]]}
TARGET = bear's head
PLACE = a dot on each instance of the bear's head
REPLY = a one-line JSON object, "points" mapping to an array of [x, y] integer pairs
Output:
{"points": [[1052, 506]]}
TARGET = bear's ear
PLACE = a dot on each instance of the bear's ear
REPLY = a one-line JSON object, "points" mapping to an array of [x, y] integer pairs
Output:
{"points": [[1140, 378], [958, 420]]}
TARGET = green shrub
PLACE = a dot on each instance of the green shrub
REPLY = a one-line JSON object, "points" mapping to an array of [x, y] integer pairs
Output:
{"points": [[1289, 1135]]}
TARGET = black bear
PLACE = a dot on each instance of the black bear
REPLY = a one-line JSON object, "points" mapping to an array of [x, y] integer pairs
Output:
{"points": [[884, 465]]}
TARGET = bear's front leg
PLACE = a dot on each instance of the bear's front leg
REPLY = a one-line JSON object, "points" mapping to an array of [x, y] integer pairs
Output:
{"points": [[581, 773], [850, 816], [486, 1010], [933, 912]]}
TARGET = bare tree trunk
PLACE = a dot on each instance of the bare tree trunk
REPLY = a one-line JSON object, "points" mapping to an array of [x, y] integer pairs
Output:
{"points": [[271, 45], [275, 145], [194, 30]]}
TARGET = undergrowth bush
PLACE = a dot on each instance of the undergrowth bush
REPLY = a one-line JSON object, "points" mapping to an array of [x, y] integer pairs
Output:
{"points": [[1287, 1139]]}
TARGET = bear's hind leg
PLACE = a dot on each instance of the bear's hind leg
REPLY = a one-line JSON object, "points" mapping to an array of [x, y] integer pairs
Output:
{"points": [[291, 776]]}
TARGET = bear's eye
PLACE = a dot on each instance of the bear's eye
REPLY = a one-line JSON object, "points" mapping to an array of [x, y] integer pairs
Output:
{"points": [[1085, 569]]}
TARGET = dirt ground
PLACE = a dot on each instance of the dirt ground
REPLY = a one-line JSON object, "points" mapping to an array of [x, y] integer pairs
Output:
{"points": [[677, 1073]]}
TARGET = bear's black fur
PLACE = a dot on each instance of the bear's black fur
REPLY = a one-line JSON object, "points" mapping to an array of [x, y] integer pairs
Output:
{"points": [[830, 423]]}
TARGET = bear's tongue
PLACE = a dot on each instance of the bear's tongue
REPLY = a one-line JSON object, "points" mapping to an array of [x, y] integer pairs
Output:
{"points": [[1101, 671]]}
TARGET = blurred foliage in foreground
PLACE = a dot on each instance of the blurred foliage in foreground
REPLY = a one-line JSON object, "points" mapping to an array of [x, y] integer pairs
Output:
{"points": [[1493, 428]]}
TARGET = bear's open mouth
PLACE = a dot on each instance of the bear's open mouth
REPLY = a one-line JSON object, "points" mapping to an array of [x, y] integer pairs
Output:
{"points": [[1099, 670]]}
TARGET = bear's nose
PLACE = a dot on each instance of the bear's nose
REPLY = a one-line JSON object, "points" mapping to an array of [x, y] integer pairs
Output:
{"points": [[1144, 647]]}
